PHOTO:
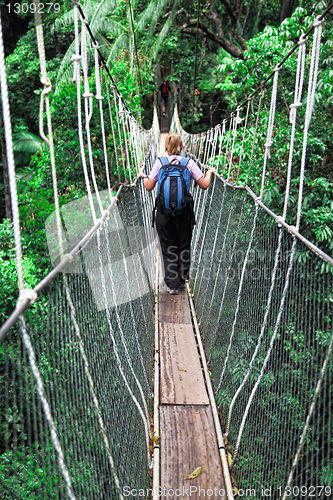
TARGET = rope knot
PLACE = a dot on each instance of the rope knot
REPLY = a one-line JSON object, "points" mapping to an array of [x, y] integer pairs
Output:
{"points": [[303, 39], [295, 105], [292, 229], [95, 45], [67, 256], [105, 214], [257, 200], [277, 67], [319, 20], [279, 220], [75, 57], [268, 144], [27, 294], [99, 96], [88, 94], [238, 119], [47, 84]]}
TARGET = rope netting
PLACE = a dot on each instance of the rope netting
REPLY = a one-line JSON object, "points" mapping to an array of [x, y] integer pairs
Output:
{"points": [[263, 295], [76, 368]]}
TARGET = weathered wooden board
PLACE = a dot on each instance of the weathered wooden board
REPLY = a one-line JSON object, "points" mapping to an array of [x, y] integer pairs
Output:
{"points": [[182, 380], [173, 308], [188, 441]]}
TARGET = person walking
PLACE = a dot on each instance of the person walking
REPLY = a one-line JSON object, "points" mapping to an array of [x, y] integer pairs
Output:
{"points": [[164, 89], [175, 226]]}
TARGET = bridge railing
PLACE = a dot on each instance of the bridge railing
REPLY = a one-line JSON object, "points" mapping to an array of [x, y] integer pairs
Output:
{"points": [[263, 295], [76, 354]]}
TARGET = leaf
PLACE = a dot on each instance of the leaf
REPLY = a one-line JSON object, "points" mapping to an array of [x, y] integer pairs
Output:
{"points": [[181, 369], [195, 473], [229, 459], [156, 438]]}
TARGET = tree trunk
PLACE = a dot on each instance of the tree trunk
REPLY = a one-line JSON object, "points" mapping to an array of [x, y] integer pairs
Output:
{"points": [[8, 206], [287, 9]]}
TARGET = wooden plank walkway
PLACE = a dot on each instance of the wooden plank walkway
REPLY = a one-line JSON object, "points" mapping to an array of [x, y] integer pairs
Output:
{"points": [[188, 438]]}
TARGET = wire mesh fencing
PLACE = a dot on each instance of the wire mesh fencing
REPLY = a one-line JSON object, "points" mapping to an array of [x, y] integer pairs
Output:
{"points": [[91, 335], [265, 307]]}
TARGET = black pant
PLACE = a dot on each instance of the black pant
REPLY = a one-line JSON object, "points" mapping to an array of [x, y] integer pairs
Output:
{"points": [[175, 235]]}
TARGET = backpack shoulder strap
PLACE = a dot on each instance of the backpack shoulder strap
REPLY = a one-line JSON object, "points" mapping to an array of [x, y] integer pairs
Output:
{"points": [[184, 161], [164, 161]]}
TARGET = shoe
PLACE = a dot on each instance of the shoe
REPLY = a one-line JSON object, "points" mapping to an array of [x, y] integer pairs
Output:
{"points": [[182, 286], [173, 291]]}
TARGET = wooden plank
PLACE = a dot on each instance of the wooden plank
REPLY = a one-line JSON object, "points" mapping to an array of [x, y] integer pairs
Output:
{"points": [[182, 380], [188, 441], [173, 308]]}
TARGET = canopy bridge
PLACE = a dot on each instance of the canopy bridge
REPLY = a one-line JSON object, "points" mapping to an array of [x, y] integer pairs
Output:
{"points": [[110, 387]]}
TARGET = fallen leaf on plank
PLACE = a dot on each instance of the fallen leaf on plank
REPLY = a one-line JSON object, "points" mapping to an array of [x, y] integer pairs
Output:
{"points": [[195, 473]]}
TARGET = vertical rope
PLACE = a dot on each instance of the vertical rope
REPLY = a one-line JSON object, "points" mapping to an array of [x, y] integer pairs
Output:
{"points": [[293, 115], [100, 98], [10, 163], [270, 127], [313, 74], [88, 106], [76, 78]]}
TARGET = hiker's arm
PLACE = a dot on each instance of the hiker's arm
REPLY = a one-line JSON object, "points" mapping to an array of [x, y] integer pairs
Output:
{"points": [[204, 182], [149, 184]]}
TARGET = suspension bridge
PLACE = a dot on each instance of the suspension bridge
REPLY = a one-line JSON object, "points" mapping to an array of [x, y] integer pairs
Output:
{"points": [[112, 388]]}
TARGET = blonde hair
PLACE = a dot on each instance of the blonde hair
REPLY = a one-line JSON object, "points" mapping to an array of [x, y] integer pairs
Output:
{"points": [[173, 144]]}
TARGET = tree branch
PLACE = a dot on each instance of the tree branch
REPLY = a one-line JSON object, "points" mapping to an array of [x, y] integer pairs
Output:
{"points": [[217, 35]]}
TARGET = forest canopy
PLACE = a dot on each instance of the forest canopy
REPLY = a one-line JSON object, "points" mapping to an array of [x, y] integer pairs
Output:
{"points": [[215, 51]]}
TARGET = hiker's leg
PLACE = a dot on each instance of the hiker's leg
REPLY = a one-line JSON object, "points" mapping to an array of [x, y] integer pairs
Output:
{"points": [[168, 239]]}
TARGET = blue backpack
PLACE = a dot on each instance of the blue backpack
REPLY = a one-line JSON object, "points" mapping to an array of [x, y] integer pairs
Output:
{"points": [[173, 182]]}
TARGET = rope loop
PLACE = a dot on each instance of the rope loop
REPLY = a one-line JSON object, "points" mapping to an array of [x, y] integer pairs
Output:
{"points": [[238, 118], [67, 256], [85, 20], [279, 220], [75, 57], [95, 45], [47, 85], [295, 105], [319, 20], [292, 229], [277, 67], [303, 39], [27, 294], [105, 214], [257, 200]]}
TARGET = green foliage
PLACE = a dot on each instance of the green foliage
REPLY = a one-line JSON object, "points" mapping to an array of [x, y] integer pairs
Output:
{"points": [[8, 278], [240, 78]]}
